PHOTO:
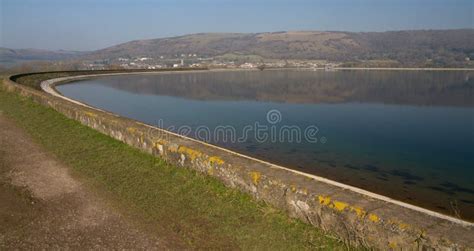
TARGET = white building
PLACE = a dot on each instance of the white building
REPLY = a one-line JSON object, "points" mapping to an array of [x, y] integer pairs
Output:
{"points": [[248, 66], [143, 59]]}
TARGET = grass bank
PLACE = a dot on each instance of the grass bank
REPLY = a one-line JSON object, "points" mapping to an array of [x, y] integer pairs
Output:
{"points": [[200, 211]]}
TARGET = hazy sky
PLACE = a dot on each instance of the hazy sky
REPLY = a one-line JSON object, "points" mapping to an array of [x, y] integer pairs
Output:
{"points": [[95, 24]]}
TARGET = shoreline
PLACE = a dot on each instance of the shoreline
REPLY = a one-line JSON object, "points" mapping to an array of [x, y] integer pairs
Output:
{"points": [[370, 69], [404, 69]]}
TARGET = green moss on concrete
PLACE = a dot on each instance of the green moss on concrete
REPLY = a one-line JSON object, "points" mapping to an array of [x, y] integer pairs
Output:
{"points": [[198, 209]]}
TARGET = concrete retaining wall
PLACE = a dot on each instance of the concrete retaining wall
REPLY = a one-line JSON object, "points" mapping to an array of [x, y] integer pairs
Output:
{"points": [[357, 216]]}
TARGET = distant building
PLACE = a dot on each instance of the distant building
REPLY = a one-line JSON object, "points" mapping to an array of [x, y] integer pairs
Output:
{"points": [[248, 66], [143, 59], [329, 67]]}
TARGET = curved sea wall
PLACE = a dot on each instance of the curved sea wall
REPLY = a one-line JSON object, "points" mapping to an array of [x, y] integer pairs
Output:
{"points": [[357, 216]]}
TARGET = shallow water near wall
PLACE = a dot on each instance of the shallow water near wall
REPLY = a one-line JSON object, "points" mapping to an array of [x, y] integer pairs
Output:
{"points": [[405, 134]]}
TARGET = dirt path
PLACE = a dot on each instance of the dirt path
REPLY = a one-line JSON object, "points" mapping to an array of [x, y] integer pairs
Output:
{"points": [[42, 206]]}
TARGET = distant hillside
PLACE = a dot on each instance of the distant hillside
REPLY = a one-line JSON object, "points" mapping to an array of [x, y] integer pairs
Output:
{"points": [[428, 48], [424, 47], [9, 57]]}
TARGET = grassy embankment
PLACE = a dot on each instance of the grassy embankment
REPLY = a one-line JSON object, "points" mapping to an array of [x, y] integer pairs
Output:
{"points": [[159, 197]]}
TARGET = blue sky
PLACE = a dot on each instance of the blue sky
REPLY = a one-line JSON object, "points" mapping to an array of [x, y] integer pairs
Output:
{"points": [[95, 24]]}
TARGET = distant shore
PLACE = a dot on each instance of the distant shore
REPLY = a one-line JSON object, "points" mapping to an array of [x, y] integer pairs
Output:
{"points": [[346, 68], [375, 69], [403, 69]]}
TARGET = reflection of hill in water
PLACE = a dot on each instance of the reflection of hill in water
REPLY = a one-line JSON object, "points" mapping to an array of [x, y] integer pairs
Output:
{"points": [[391, 87]]}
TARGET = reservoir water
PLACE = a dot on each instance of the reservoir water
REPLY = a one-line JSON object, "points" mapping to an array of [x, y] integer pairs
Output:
{"points": [[408, 135]]}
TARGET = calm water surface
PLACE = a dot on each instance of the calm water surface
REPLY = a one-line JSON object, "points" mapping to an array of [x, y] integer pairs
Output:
{"points": [[405, 134]]}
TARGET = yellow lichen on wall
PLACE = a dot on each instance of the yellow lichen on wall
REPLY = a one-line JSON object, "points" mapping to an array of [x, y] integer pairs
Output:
{"points": [[161, 142], [256, 176], [191, 153], [401, 225], [131, 130], [136, 132], [359, 211], [324, 200], [392, 245], [91, 114], [293, 188], [216, 160], [340, 206], [374, 218]]}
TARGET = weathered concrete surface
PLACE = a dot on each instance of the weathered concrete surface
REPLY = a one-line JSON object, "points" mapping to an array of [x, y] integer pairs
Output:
{"points": [[356, 215]]}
